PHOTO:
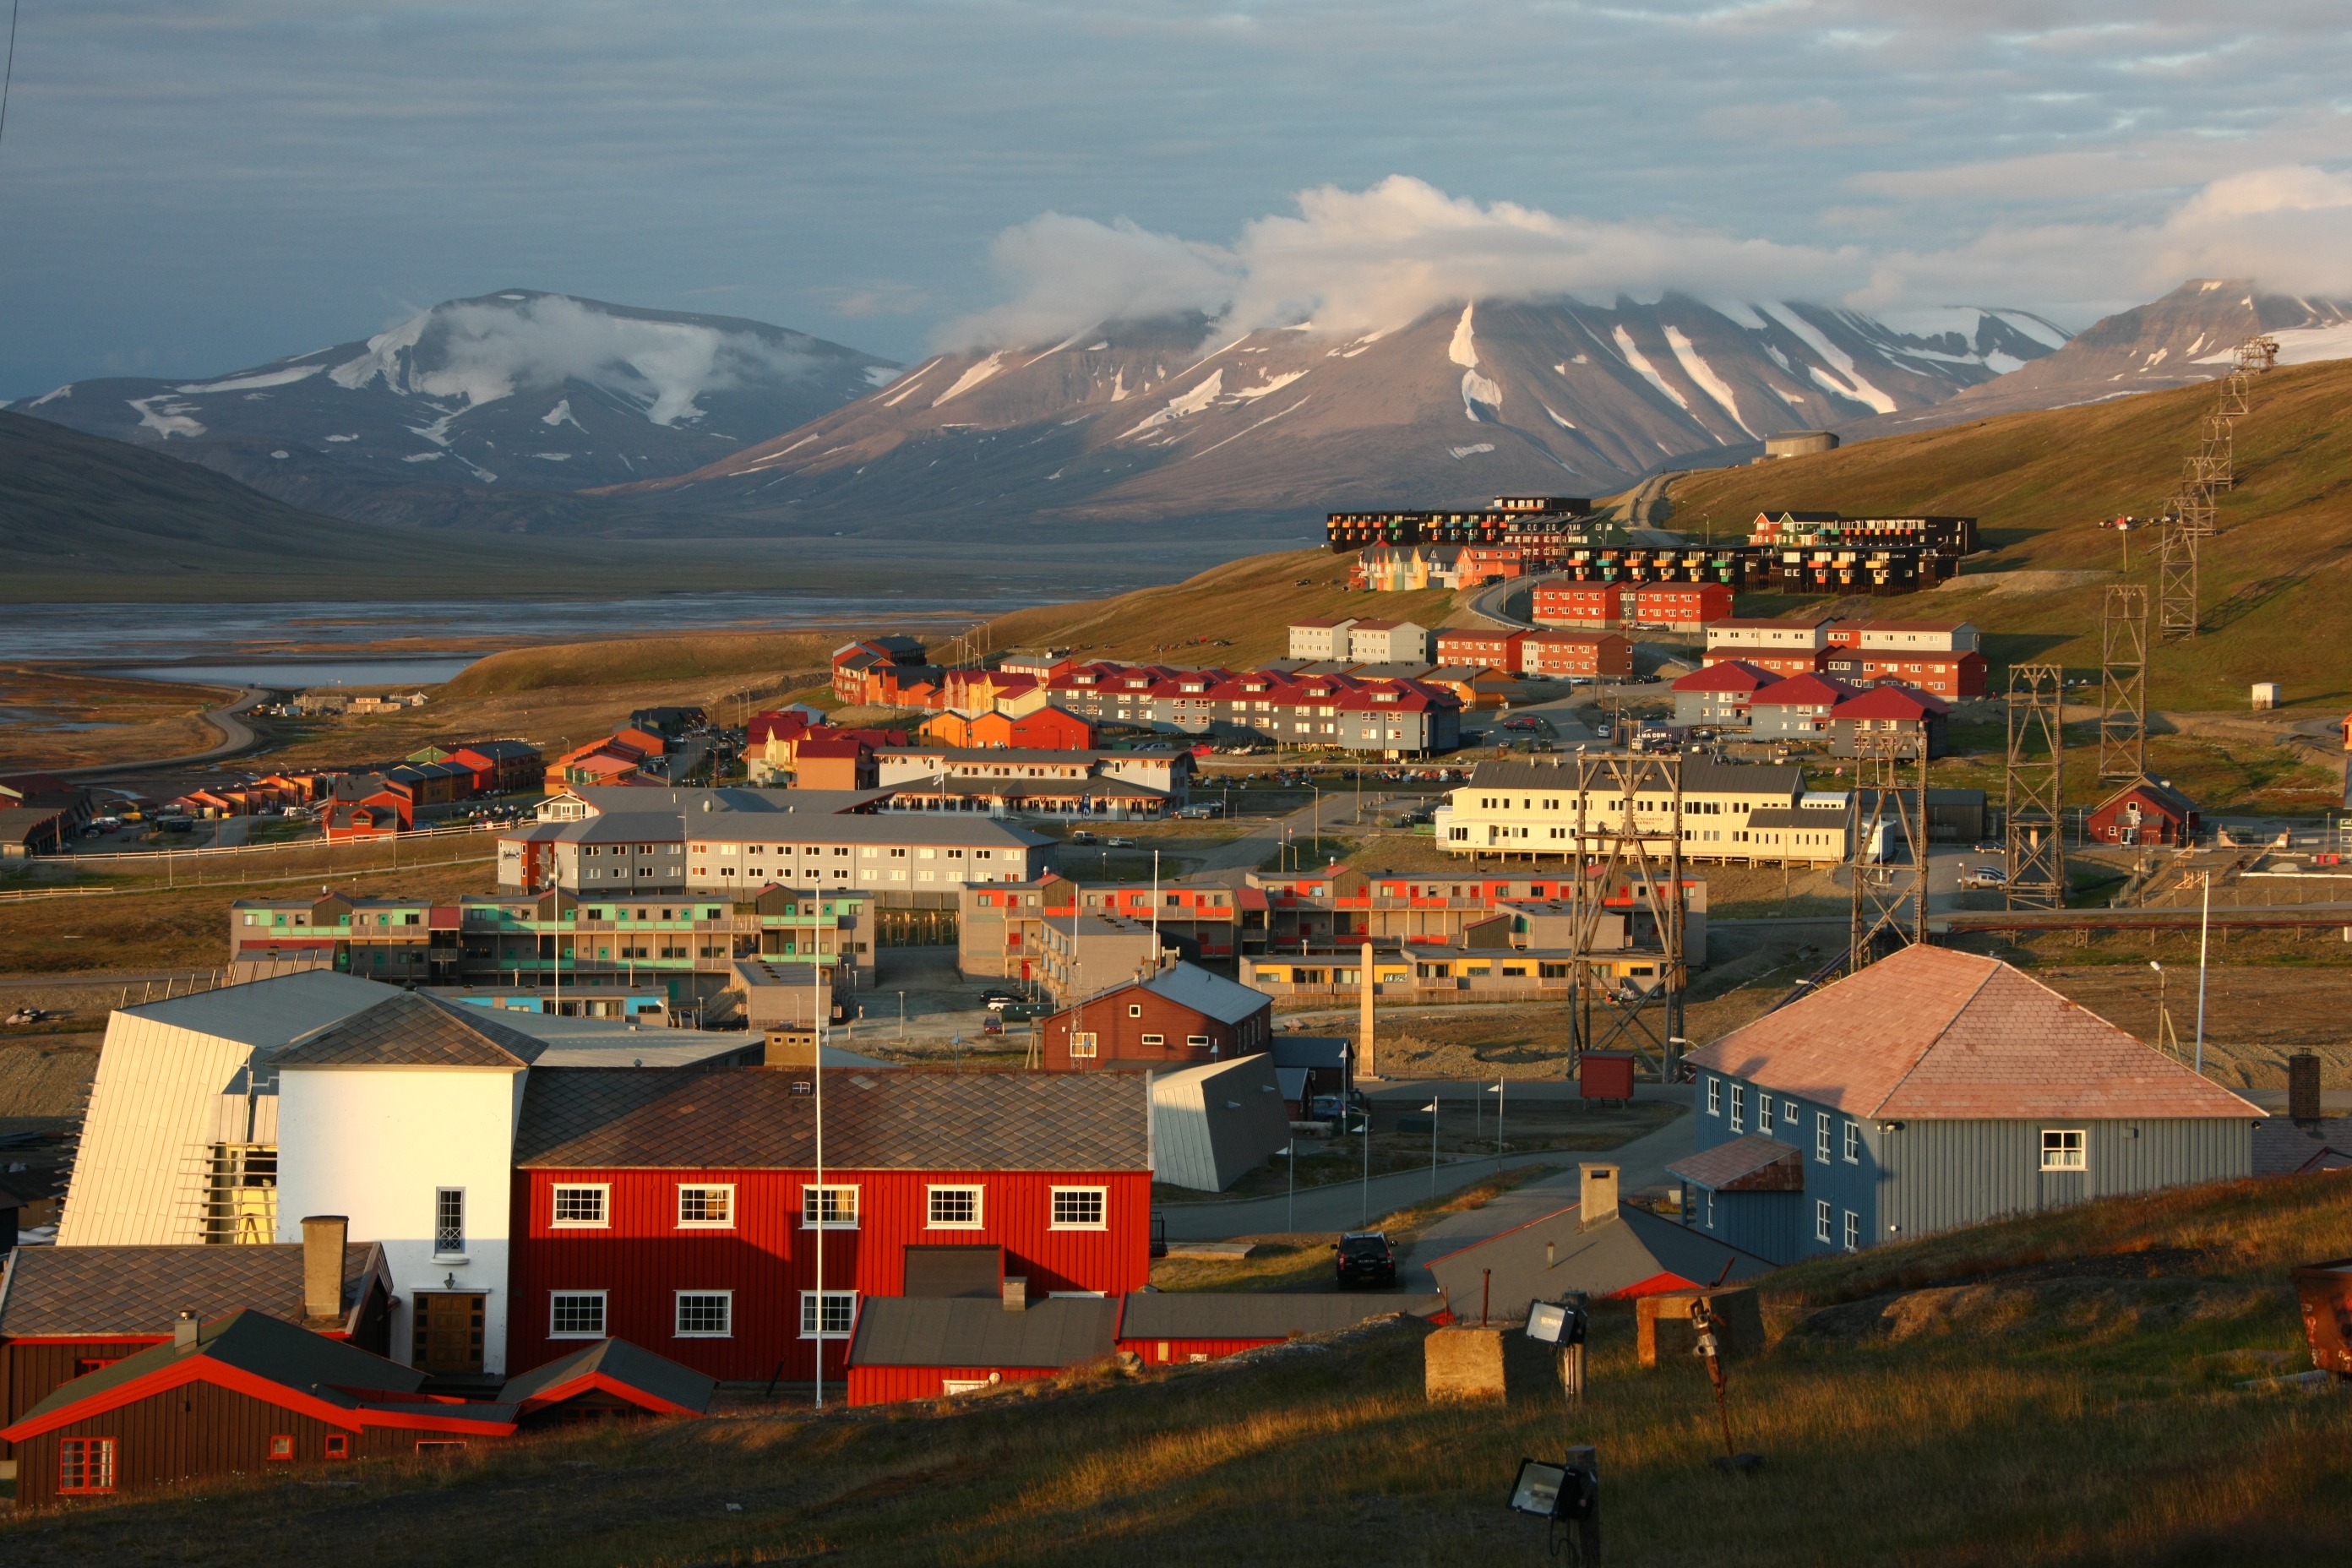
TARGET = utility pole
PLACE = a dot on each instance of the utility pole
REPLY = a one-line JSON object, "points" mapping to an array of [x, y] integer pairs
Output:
{"points": [[2031, 825], [1613, 849], [2123, 684]]}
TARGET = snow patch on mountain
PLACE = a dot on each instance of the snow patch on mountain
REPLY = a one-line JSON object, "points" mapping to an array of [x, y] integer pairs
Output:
{"points": [[1853, 385], [1461, 452], [171, 419], [1699, 371], [1464, 350], [562, 415], [972, 378], [1191, 402], [286, 378], [1272, 385], [1648, 372]]}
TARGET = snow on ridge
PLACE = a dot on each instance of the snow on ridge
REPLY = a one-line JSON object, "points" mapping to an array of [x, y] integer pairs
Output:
{"points": [[562, 415], [255, 381], [1477, 389], [172, 419], [1556, 419], [971, 378], [1649, 373], [1191, 401], [1740, 312], [1699, 371], [65, 391], [1464, 350], [1854, 387], [2047, 333], [880, 376], [908, 383], [1274, 385], [1461, 452]]}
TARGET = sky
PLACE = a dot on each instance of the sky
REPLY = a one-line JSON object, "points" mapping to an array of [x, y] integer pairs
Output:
{"points": [[189, 187]]}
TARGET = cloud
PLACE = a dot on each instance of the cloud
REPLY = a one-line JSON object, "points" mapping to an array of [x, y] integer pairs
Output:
{"points": [[1066, 274]]}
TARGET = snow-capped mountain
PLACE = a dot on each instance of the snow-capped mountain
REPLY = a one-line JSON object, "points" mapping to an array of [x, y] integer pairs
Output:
{"points": [[2188, 335], [1140, 419], [517, 388]]}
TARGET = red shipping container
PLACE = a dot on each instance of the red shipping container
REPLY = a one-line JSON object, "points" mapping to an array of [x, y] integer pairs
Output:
{"points": [[1605, 1075]]}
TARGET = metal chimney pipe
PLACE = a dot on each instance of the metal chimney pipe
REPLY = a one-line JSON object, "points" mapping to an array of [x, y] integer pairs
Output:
{"points": [[2303, 1087]]}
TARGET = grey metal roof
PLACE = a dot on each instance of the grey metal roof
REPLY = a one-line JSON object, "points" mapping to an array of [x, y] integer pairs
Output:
{"points": [[632, 1365], [907, 1119], [1701, 775], [266, 1013], [781, 827], [1257, 1314], [410, 1029], [1634, 1248], [1311, 1050], [1211, 995], [567, 1042], [959, 1331], [97, 1292], [1014, 756]]}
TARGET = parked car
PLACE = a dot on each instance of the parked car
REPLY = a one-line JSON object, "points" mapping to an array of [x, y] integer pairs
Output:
{"points": [[1118, 843], [1080, 835], [1520, 723], [1210, 810], [1365, 1257], [1983, 876], [997, 996]]}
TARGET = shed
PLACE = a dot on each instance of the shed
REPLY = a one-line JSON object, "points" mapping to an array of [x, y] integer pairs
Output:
{"points": [[1309, 1065], [1211, 1123], [609, 1380], [2146, 813], [1175, 1327], [921, 1348]]}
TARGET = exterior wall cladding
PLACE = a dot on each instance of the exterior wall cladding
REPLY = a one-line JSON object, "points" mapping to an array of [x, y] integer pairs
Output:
{"points": [[644, 1257], [1935, 1176]]}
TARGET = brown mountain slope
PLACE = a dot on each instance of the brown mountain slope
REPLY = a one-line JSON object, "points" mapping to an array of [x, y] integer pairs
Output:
{"points": [[2275, 581]]}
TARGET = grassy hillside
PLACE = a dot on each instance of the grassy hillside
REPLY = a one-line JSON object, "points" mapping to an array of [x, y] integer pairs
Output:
{"points": [[2275, 582], [2062, 1389]]}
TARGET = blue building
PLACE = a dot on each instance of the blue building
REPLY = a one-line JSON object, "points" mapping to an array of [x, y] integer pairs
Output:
{"points": [[1937, 1089]]}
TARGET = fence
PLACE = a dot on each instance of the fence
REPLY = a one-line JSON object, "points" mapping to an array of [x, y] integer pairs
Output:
{"points": [[287, 847]]}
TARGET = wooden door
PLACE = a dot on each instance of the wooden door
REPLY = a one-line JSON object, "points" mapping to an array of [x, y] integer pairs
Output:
{"points": [[448, 1335]]}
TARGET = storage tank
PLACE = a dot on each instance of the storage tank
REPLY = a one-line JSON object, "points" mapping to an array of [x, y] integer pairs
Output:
{"points": [[1799, 443]]}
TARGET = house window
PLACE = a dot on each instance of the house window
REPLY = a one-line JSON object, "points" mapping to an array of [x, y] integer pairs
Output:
{"points": [[1154, 1039], [2062, 1151], [839, 1313], [1852, 1144], [833, 1208], [575, 1315], [1763, 1113], [1082, 1045], [1853, 1230], [281, 1447], [1821, 1136], [339, 1446], [1135, 1009], [1739, 1107], [1793, 1114], [1715, 1097], [705, 1314], [449, 1222], [86, 1464], [582, 1206], [1196, 1039], [706, 1209], [1079, 1208], [954, 1209], [1822, 1220]]}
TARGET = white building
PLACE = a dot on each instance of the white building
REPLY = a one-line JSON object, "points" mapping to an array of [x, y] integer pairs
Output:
{"points": [[733, 851], [1784, 636], [1389, 642], [1319, 640], [1732, 812]]}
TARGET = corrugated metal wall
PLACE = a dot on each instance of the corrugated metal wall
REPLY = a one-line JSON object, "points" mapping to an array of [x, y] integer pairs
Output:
{"points": [[887, 1384], [138, 1177], [643, 1258], [1946, 1173]]}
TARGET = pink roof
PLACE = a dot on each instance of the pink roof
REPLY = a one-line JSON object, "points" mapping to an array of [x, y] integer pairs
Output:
{"points": [[1807, 690], [1728, 675], [1891, 701], [1947, 1036]]}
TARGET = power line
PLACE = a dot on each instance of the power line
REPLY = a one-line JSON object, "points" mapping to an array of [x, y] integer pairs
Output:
{"points": [[9, 74]]}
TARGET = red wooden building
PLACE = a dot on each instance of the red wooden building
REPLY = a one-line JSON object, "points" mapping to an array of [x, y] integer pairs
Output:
{"points": [[1590, 653], [1488, 647], [1182, 1015], [1173, 1327], [2144, 813], [925, 1347], [681, 1210]]}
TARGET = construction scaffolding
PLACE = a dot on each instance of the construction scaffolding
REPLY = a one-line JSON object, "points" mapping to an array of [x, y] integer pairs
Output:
{"points": [[2123, 683], [1627, 909], [2031, 828], [1886, 848]]}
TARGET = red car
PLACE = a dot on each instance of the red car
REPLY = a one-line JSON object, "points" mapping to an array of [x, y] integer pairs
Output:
{"points": [[1519, 724]]}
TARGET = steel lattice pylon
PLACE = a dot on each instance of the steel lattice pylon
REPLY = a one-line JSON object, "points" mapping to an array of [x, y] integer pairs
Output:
{"points": [[2176, 578], [2123, 683], [1887, 846], [1613, 852], [2032, 829]]}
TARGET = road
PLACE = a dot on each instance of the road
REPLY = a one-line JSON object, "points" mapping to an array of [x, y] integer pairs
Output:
{"points": [[236, 735]]}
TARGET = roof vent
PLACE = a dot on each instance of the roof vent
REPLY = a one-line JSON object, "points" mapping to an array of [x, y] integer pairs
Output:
{"points": [[184, 1327]]}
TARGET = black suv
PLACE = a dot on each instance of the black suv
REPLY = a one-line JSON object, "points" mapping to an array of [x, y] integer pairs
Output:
{"points": [[1365, 1257]]}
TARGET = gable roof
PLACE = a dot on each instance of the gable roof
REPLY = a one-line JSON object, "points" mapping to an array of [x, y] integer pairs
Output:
{"points": [[266, 1013], [1634, 1254], [1807, 690], [909, 1119], [1890, 699], [1755, 1163], [408, 1029], [97, 1292], [1726, 675], [652, 1381], [964, 1332], [1939, 1034], [2160, 795], [1210, 995], [1257, 1314]]}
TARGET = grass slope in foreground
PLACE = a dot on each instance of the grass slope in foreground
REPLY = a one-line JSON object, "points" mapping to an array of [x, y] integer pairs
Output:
{"points": [[2274, 599], [2080, 1406]]}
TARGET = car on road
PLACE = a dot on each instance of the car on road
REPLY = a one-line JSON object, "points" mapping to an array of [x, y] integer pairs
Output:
{"points": [[1201, 812], [1080, 835], [1522, 724], [1364, 1258], [997, 996], [1983, 876], [1118, 843]]}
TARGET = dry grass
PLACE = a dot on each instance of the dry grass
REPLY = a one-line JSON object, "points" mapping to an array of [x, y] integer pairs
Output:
{"points": [[47, 1076], [140, 718], [2123, 1443]]}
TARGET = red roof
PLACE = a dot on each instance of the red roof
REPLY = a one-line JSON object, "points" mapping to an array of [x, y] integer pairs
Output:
{"points": [[1728, 675], [1945, 1035], [1806, 690], [1890, 700]]}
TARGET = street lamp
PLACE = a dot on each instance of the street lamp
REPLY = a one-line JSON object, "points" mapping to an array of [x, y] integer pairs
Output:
{"points": [[1498, 1093], [1290, 1206], [1431, 1109]]}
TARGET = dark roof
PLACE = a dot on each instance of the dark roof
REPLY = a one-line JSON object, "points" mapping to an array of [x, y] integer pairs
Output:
{"points": [[98, 1291], [1257, 1314], [635, 1369], [1701, 775], [958, 1332], [412, 1030], [1752, 1164], [1210, 995], [2284, 1147], [1634, 1253], [501, 751], [1311, 1050], [749, 1118], [264, 1347]]}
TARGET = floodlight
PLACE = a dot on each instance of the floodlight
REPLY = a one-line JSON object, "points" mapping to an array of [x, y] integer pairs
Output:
{"points": [[1537, 1492]]}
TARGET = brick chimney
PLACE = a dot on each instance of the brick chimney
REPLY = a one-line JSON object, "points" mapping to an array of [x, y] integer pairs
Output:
{"points": [[2303, 1087], [1017, 1294], [322, 1265], [1596, 1195]]}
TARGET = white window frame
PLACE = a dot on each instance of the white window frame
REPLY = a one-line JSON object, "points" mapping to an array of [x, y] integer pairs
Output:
{"points": [[1852, 1231], [726, 1187], [1738, 1121], [603, 1317], [1853, 1142], [1135, 1009], [1151, 1039], [1763, 1112], [933, 1192], [1715, 1097], [604, 1220], [811, 1206], [1821, 1137], [2054, 1142], [809, 1324], [1823, 1220], [1196, 1040], [1793, 1113], [1082, 1044], [1053, 1203], [679, 1299]]}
